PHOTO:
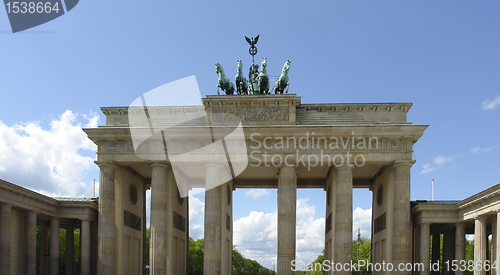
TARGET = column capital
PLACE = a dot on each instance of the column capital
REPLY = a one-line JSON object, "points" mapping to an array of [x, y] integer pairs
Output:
{"points": [[344, 165], [163, 164], [5, 205], [425, 224], [480, 218], [398, 163], [32, 212], [213, 164], [287, 166], [106, 164]]}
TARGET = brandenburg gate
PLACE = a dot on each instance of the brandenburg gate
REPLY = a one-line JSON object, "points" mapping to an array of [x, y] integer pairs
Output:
{"points": [[286, 145]]}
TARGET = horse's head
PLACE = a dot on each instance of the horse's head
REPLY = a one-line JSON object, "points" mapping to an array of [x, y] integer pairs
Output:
{"points": [[286, 67], [263, 66], [217, 68], [240, 65]]}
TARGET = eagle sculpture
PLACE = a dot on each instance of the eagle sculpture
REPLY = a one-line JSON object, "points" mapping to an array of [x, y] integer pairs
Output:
{"points": [[252, 41]]}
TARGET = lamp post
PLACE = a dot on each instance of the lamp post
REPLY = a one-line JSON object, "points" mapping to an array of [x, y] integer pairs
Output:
{"points": [[358, 243]]}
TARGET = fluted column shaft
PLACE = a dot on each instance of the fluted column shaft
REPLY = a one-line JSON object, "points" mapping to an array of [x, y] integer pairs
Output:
{"points": [[106, 229], [158, 241], [425, 232], [287, 204], [343, 218], [494, 235], [460, 245], [70, 250], [44, 248], [85, 248], [31, 243], [54, 246], [401, 233], [213, 218], [480, 243], [497, 245], [448, 251], [5, 212], [416, 256], [436, 250]]}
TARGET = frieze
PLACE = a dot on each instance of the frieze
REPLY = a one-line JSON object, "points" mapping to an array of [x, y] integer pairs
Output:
{"points": [[395, 145], [264, 144], [250, 114], [112, 146]]}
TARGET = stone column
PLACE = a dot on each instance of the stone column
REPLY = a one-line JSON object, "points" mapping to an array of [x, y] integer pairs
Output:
{"points": [[106, 229], [213, 218], [436, 251], [44, 247], [5, 225], [460, 245], [401, 233], [479, 243], [416, 238], [85, 248], [31, 243], [158, 241], [343, 218], [494, 235], [54, 246], [70, 250], [448, 251], [425, 232], [287, 204], [497, 244]]}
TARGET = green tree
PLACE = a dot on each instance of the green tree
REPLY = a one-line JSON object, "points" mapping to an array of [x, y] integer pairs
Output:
{"points": [[196, 250], [364, 255], [365, 252], [242, 265], [316, 266], [148, 236]]}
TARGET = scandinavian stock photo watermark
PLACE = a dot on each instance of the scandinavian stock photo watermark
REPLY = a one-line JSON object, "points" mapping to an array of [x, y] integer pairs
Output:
{"points": [[363, 265], [310, 150], [25, 15]]}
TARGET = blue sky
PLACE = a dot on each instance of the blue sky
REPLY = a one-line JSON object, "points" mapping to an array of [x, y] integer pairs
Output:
{"points": [[441, 55]]}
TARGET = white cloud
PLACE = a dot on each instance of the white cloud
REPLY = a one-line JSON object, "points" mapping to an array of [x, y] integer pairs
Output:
{"points": [[440, 160], [310, 233], [255, 235], [491, 104], [428, 168], [52, 161], [484, 150], [148, 208], [196, 217], [362, 219], [257, 193]]}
